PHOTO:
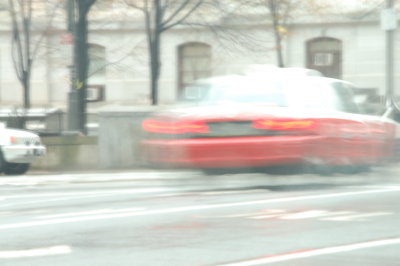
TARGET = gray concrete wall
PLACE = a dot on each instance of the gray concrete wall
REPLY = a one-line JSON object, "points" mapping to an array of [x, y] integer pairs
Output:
{"points": [[116, 146], [69, 153], [119, 137]]}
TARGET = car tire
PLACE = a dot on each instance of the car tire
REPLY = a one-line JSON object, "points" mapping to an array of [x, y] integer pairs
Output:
{"points": [[322, 170], [15, 168], [353, 169]]}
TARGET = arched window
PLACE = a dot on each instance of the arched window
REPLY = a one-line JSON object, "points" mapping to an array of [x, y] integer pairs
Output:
{"points": [[325, 55], [194, 63], [96, 73]]}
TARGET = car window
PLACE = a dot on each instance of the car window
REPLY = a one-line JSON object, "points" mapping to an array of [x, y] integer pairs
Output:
{"points": [[344, 98], [238, 90], [293, 92], [248, 91]]}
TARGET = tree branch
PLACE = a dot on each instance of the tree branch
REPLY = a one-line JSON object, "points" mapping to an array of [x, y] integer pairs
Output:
{"points": [[46, 31], [129, 3], [16, 43], [176, 12], [179, 21]]}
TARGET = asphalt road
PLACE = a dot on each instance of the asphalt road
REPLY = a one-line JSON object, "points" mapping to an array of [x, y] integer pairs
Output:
{"points": [[187, 218]]}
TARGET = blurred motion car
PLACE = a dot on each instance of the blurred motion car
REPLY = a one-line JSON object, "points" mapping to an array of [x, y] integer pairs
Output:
{"points": [[18, 149], [257, 120], [261, 69]]}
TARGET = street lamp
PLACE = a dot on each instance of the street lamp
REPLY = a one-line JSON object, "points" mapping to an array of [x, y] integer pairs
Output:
{"points": [[73, 94], [389, 25]]}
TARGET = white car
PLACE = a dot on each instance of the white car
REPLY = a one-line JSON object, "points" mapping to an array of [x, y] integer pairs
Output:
{"points": [[18, 149]]}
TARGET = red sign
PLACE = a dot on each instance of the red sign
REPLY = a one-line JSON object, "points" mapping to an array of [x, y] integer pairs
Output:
{"points": [[67, 39]]}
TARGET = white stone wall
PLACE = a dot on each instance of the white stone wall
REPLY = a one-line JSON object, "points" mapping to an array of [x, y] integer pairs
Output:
{"points": [[363, 50]]}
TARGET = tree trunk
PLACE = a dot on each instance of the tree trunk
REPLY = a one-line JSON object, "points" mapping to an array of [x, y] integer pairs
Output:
{"points": [[154, 31], [155, 66], [279, 52], [82, 64], [26, 89], [273, 8]]}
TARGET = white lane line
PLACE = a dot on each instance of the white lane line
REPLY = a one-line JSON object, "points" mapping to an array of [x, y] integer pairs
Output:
{"points": [[311, 214], [53, 200], [90, 213], [84, 195], [50, 251], [316, 252], [357, 217], [305, 215], [192, 208], [100, 177], [251, 215], [231, 192], [94, 192], [273, 213], [19, 183]]}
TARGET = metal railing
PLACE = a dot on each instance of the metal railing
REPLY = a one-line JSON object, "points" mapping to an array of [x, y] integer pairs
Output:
{"points": [[43, 121]]}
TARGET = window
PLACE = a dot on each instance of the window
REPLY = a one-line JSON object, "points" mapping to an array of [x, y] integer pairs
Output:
{"points": [[194, 63], [325, 55], [323, 59]]}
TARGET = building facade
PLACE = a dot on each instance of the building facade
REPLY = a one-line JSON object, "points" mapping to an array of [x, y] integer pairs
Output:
{"points": [[341, 47]]}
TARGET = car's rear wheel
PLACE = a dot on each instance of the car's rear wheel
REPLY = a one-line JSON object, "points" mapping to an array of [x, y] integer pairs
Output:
{"points": [[15, 168], [353, 169]]}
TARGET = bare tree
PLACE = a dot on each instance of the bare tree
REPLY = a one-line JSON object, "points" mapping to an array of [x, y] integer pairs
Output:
{"points": [[160, 16], [279, 11], [25, 47]]}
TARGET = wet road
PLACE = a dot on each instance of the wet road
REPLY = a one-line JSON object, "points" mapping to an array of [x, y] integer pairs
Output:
{"points": [[187, 218]]}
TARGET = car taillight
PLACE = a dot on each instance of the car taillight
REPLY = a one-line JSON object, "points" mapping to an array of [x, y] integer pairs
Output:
{"points": [[179, 127], [288, 124]]}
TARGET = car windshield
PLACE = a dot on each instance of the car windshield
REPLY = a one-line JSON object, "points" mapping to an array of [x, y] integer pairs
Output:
{"points": [[321, 94], [302, 92]]}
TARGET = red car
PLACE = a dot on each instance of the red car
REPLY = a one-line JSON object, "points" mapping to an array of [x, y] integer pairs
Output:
{"points": [[252, 121]]}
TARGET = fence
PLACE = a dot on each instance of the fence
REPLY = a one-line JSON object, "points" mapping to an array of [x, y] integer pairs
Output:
{"points": [[44, 121]]}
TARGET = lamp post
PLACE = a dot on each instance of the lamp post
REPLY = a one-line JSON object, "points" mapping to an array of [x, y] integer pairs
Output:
{"points": [[389, 25], [78, 11], [73, 95]]}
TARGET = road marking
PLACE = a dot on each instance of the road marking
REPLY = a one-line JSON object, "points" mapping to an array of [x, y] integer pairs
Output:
{"points": [[305, 215], [89, 213], [320, 215], [317, 214], [95, 192], [316, 252], [94, 177], [221, 192], [268, 214], [357, 217], [192, 208], [50, 251], [251, 215], [19, 183], [79, 195]]}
